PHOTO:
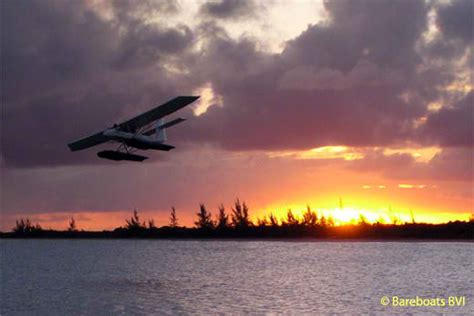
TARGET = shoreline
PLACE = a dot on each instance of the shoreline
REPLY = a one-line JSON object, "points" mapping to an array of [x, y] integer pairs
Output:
{"points": [[244, 239]]}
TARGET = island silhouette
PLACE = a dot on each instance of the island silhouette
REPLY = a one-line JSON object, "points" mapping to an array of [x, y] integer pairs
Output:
{"points": [[238, 225]]}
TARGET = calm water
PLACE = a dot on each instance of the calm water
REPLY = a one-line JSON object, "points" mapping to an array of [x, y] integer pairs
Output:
{"points": [[100, 277]]}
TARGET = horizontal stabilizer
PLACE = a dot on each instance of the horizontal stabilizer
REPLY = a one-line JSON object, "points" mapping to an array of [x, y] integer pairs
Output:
{"points": [[118, 156], [173, 122], [166, 125]]}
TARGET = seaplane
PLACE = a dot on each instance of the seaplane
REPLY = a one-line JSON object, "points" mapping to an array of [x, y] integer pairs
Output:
{"points": [[143, 132]]}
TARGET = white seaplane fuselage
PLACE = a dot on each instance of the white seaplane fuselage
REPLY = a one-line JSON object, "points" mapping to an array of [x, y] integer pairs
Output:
{"points": [[139, 141]]}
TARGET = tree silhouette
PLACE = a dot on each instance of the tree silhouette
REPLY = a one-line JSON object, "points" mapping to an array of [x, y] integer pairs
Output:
{"points": [[310, 218], [362, 220], [323, 221], [262, 222], [291, 227], [222, 218], [380, 220], [25, 226], [134, 223], [151, 224], [273, 220], [72, 225], [173, 218], [395, 220], [204, 218], [291, 220], [240, 215], [330, 221]]}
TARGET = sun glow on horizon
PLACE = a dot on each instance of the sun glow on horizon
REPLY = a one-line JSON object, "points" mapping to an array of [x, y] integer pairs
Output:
{"points": [[353, 214], [346, 215]]}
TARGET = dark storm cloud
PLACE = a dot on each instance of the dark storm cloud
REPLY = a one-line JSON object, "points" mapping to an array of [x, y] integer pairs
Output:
{"points": [[455, 20], [68, 72], [451, 126], [229, 9], [46, 45], [129, 10], [358, 79], [362, 79], [383, 31], [455, 37], [451, 164], [336, 83], [375, 160], [143, 45]]}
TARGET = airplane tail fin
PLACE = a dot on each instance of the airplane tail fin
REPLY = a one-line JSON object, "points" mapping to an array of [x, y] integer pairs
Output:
{"points": [[159, 129], [160, 132]]}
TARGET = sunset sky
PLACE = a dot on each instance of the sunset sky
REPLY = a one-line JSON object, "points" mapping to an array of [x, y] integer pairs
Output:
{"points": [[351, 107]]}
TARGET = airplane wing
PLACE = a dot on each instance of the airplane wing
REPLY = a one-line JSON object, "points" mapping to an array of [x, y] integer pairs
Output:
{"points": [[160, 111], [87, 142]]}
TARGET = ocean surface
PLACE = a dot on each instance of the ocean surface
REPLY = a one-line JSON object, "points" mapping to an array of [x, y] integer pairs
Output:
{"points": [[133, 277]]}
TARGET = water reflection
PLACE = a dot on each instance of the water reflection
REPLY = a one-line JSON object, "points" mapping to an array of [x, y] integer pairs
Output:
{"points": [[151, 276]]}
